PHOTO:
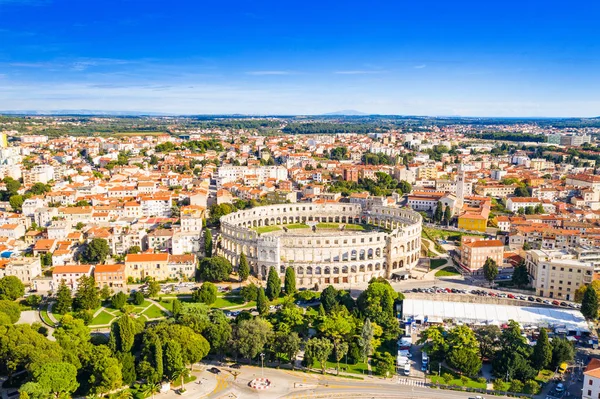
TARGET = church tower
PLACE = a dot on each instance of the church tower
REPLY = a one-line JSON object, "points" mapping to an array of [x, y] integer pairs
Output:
{"points": [[460, 188]]}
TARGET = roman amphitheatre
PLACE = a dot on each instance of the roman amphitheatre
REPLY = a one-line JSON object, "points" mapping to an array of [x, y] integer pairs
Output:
{"points": [[326, 243]]}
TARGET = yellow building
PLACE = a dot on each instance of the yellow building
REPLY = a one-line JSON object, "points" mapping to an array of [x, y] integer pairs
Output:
{"points": [[472, 221], [3, 140]]}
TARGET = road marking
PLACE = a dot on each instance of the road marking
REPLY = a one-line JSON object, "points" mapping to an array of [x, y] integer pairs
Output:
{"points": [[409, 382]]}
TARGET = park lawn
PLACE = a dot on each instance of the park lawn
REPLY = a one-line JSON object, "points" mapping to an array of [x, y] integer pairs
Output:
{"points": [[153, 312], [435, 263], [168, 305], [227, 301], [328, 226], [457, 381], [358, 368], [447, 272], [102, 319], [46, 318], [266, 229], [544, 376], [358, 227], [297, 226]]}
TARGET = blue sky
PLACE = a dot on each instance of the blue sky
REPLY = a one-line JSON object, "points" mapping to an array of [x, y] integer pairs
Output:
{"points": [[471, 58]]}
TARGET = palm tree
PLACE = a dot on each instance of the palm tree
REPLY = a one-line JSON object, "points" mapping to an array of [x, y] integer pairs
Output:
{"points": [[124, 394], [182, 373], [151, 389]]}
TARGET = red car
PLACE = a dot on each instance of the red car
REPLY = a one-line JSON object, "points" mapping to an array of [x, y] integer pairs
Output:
{"points": [[555, 303], [511, 296]]}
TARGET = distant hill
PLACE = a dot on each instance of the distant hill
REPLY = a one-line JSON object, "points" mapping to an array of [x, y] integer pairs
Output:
{"points": [[345, 112], [60, 112]]}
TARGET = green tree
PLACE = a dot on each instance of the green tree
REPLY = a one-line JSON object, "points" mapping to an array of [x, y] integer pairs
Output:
{"points": [[208, 243], [273, 284], [329, 298], [86, 297], [366, 339], [318, 349], [404, 187], [243, 268], [134, 249], [137, 298], [176, 307], [173, 361], [33, 390], [218, 333], [490, 270], [289, 282], [589, 304], [16, 202], [153, 288], [251, 336], [11, 309], [489, 339], [118, 300], [520, 276], [531, 387], [34, 301], [262, 306], [289, 344], [526, 246], [447, 215], [385, 364], [39, 189], [206, 294], [105, 292], [340, 349], [249, 292], [438, 214], [58, 379], [11, 288], [64, 301], [516, 386], [127, 361], [96, 251], [215, 269], [562, 351], [542, 351], [79, 226], [123, 333], [104, 370], [377, 303]]}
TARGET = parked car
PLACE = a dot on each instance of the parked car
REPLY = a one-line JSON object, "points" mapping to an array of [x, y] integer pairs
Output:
{"points": [[563, 304], [531, 299], [538, 300], [214, 370], [555, 303]]}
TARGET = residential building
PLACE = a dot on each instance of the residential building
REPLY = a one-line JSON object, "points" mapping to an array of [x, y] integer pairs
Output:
{"points": [[25, 269], [475, 251], [140, 266], [591, 380], [112, 276], [70, 274]]}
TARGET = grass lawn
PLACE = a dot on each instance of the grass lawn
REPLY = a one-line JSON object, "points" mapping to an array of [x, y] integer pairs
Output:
{"points": [[177, 382], [457, 381], [153, 312], [449, 271], [227, 301], [358, 368], [544, 376], [103, 318], [328, 226], [46, 318], [297, 226], [168, 305], [358, 227], [435, 263], [266, 229]]}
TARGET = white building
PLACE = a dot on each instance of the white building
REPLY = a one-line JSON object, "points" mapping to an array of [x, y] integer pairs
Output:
{"points": [[591, 380]]}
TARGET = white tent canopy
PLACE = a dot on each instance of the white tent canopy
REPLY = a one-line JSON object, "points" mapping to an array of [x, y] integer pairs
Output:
{"points": [[479, 313]]}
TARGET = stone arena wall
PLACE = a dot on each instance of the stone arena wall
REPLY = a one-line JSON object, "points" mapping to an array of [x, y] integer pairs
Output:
{"points": [[323, 256]]}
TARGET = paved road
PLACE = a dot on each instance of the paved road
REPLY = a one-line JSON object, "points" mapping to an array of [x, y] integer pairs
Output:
{"points": [[296, 385]]}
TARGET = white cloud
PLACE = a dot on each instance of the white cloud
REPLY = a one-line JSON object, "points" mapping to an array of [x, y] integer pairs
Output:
{"points": [[268, 73], [358, 72], [420, 66]]}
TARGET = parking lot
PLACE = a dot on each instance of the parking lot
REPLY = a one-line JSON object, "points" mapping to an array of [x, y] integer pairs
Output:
{"points": [[494, 294]]}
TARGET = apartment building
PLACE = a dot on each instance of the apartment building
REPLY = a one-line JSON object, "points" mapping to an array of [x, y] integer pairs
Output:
{"points": [[140, 266], [558, 274], [591, 380], [70, 274], [475, 251], [112, 276], [25, 269]]}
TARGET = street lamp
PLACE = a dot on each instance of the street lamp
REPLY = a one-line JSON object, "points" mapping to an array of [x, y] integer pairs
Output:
{"points": [[262, 364]]}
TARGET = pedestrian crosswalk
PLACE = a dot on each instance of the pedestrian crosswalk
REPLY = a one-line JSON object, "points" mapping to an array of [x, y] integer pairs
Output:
{"points": [[411, 382]]}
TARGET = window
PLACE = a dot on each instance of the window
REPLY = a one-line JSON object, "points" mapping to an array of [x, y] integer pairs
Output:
{"points": [[590, 382]]}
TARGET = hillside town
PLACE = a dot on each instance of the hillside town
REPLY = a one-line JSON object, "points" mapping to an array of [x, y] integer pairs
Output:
{"points": [[506, 215]]}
